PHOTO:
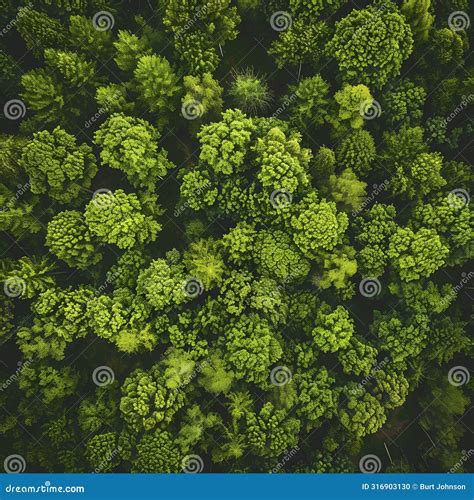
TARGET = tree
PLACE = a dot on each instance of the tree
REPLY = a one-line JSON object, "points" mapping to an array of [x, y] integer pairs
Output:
{"points": [[333, 329], [357, 152], [419, 17], [163, 284], [346, 190], [131, 145], [203, 91], [251, 348], [371, 44], [73, 68], [401, 338], [317, 225], [129, 50], [250, 93], [102, 452], [69, 239], [416, 254], [301, 43], [59, 320], [157, 85], [270, 432], [57, 165], [310, 102], [147, 401], [120, 219], [362, 415], [352, 101], [277, 257], [224, 144], [157, 453], [405, 103]]}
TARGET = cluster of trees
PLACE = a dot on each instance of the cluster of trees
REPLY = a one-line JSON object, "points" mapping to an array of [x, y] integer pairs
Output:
{"points": [[255, 263]]}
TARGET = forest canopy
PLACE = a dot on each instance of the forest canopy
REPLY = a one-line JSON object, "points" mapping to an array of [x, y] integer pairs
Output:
{"points": [[236, 235]]}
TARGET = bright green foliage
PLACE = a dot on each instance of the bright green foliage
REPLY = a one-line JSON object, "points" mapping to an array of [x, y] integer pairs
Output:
{"points": [[391, 387], [333, 330], [270, 432], [277, 256], [402, 339], [314, 8], [129, 50], [102, 452], [302, 43], [147, 401], [223, 144], [447, 338], [249, 92], [282, 161], [357, 152], [163, 284], [57, 165], [215, 377], [48, 383], [204, 90], [353, 101], [26, 277], [419, 177], [83, 34], [317, 226], [197, 190], [371, 44], [405, 102], [157, 453], [324, 164], [74, 69], [157, 84], [311, 102], [197, 52], [316, 398], [217, 19], [448, 45], [113, 98], [417, 13], [39, 31], [69, 239], [362, 415], [43, 94], [233, 320], [131, 145], [60, 319], [346, 189], [338, 266], [357, 357], [416, 254], [121, 318], [403, 146], [376, 226], [118, 218], [203, 260], [251, 348], [426, 298]]}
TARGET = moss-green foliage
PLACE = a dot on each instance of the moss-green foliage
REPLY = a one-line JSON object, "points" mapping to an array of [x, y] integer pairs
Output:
{"points": [[236, 236], [371, 44]]}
